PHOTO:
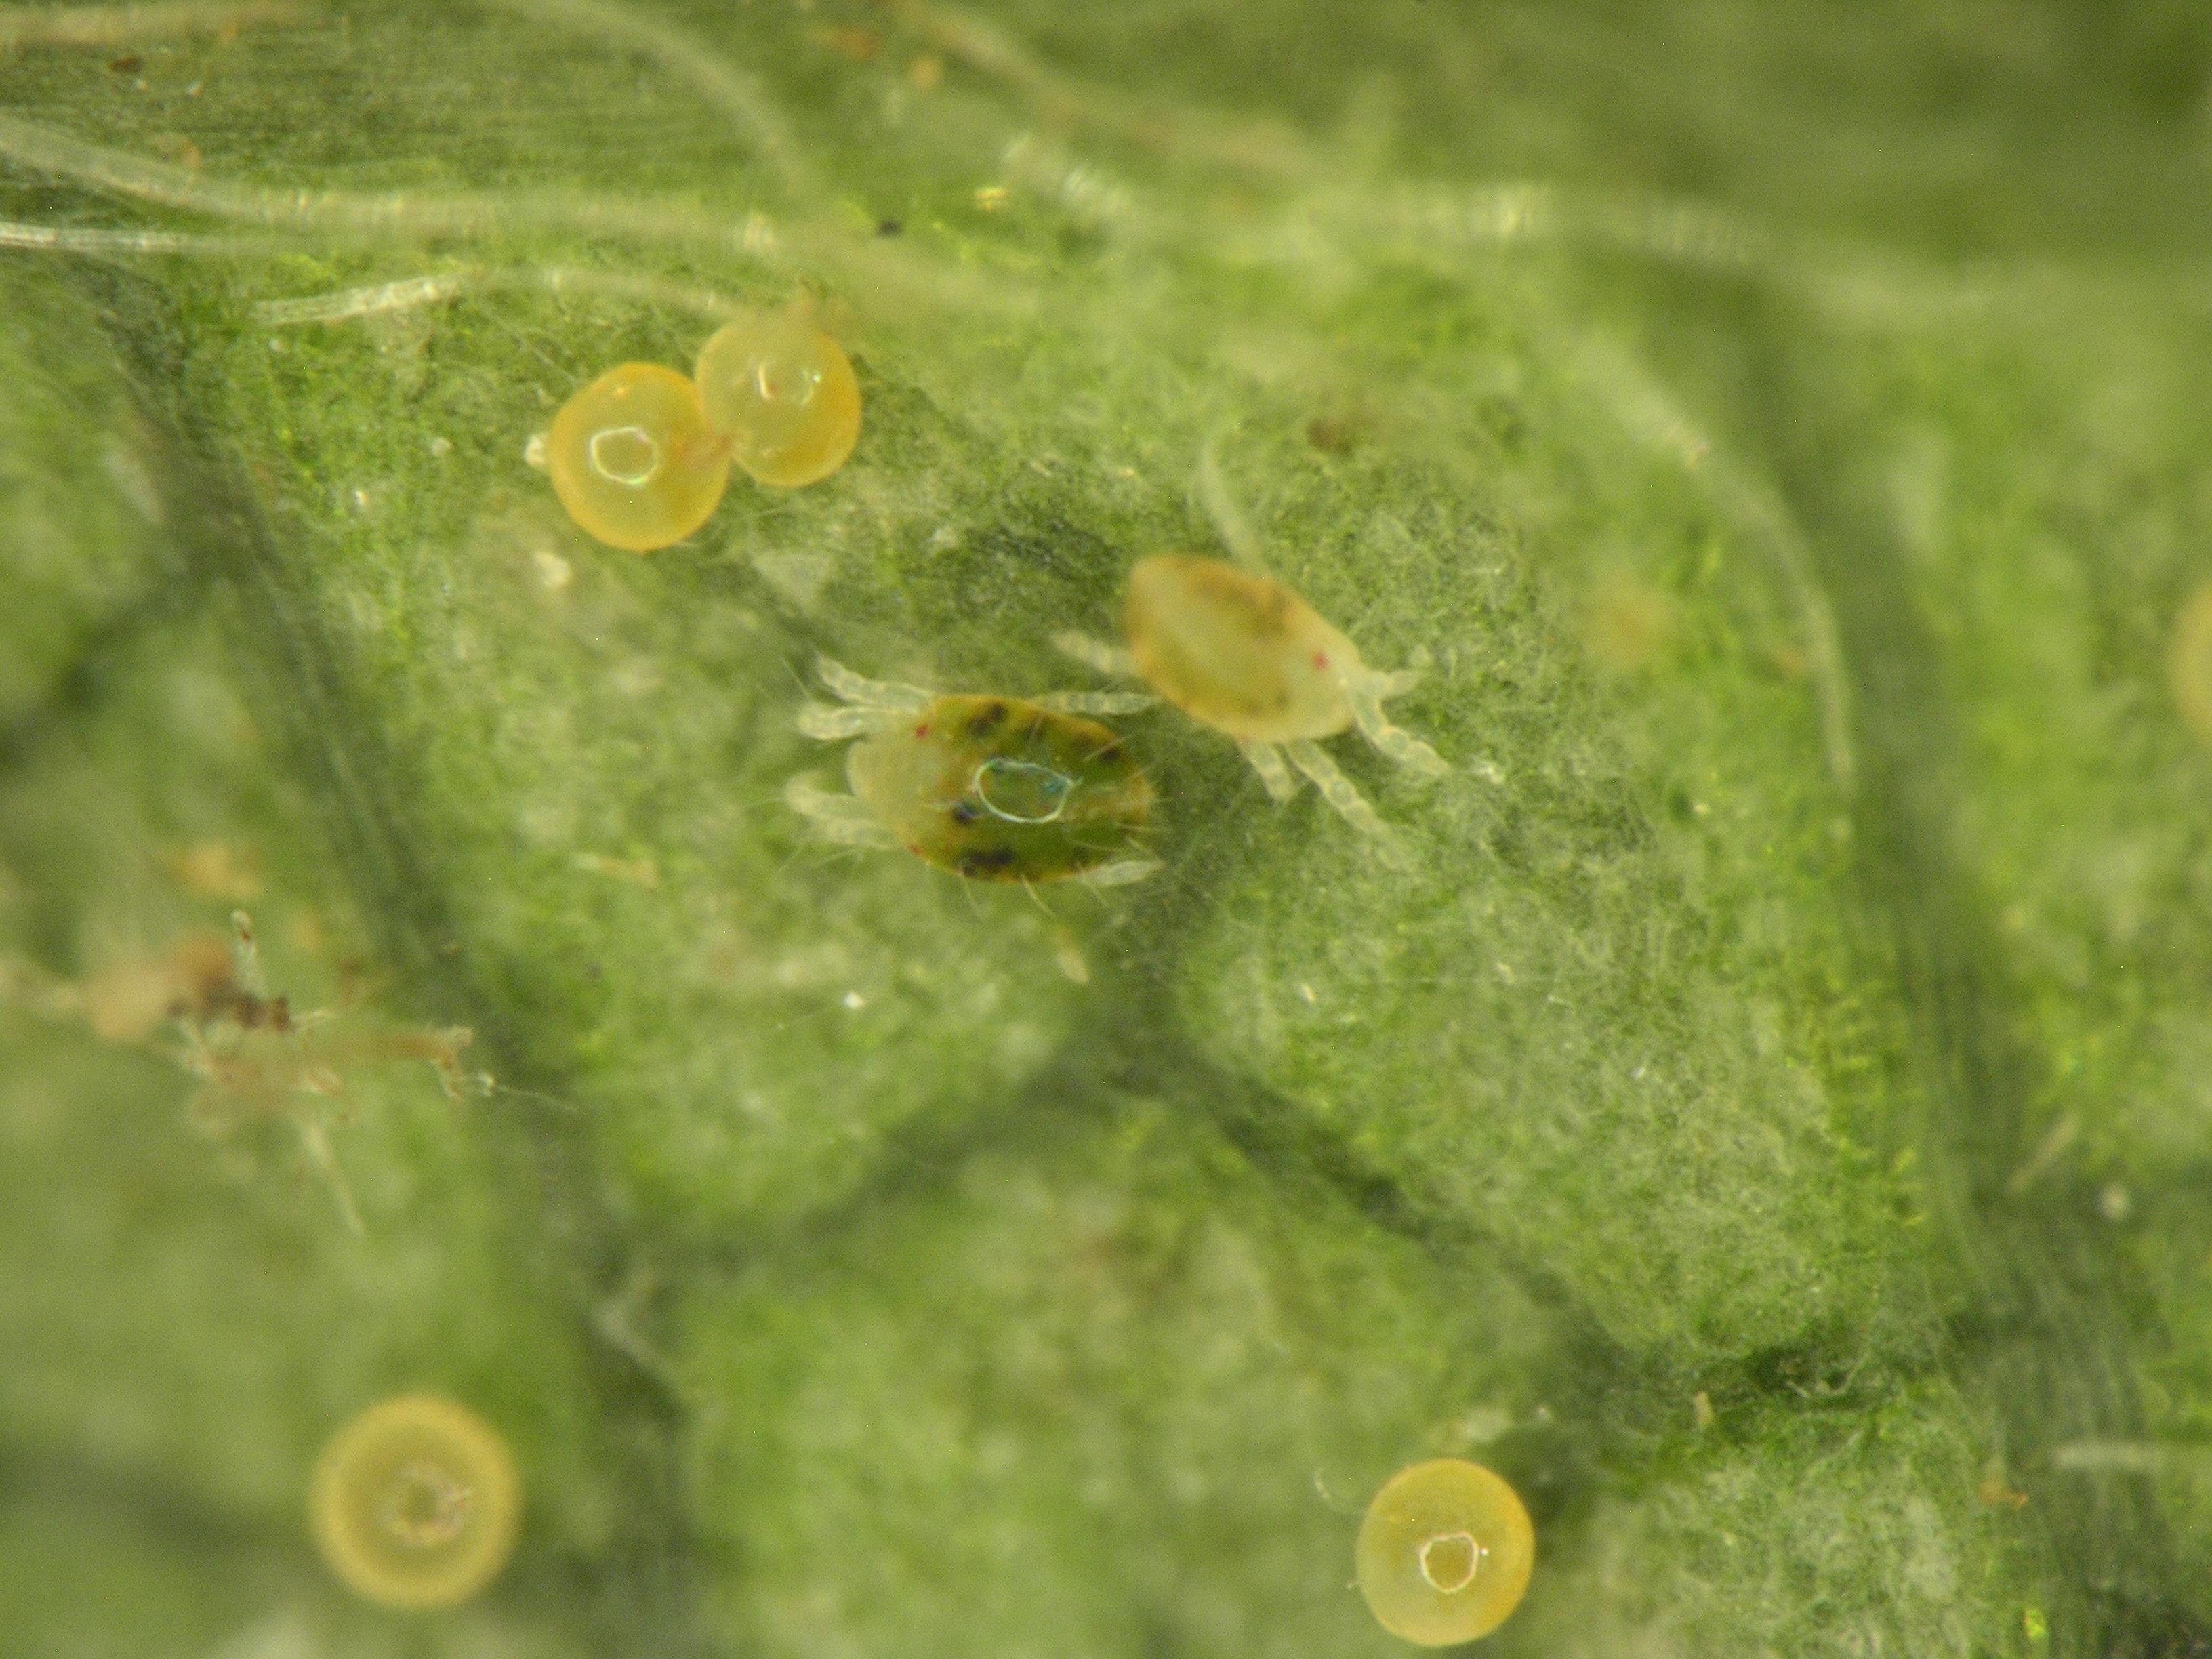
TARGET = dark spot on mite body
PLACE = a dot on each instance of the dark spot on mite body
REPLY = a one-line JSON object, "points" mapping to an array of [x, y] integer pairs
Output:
{"points": [[963, 813], [986, 720], [986, 861], [1266, 605]]}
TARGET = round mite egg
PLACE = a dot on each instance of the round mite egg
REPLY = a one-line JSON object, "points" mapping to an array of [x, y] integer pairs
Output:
{"points": [[1445, 1552], [634, 460], [415, 1503], [782, 392]]}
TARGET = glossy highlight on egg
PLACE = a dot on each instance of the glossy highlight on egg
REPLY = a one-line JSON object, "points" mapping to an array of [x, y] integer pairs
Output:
{"points": [[1444, 1553], [633, 459], [782, 393]]}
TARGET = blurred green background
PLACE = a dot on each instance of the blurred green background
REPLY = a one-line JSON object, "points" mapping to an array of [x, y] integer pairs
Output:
{"points": [[1766, 1113]]}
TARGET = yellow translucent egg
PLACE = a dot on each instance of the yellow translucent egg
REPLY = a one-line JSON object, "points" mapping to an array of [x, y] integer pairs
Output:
{"points": [[633, 459], [415, 1503], [2189, 662], [782, 392], [1445, 1552]]}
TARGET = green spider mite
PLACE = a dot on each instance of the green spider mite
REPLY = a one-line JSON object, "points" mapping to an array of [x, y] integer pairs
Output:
{"points": [[993, 788]]}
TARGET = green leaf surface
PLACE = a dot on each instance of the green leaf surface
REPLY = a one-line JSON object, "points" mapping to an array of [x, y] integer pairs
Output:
{"points": [[1759, 1100]]}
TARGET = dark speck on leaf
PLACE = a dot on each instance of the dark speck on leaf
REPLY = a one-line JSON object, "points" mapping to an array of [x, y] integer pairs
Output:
{"points": [[1330, 436]]}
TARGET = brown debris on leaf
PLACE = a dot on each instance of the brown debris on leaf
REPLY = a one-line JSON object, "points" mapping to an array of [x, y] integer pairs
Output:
{"points": [[256, 1059]]}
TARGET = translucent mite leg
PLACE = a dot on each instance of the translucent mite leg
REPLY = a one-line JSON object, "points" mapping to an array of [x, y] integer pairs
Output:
{"points": [[871, 694], [247, 949], [1281, 785], [315, 1141], [1096, 703], [1364, 693], [1335, 788], [1121, 872], [838, 817], [1396, 682], [1108, 659], [1236, 531], [820, 720]]}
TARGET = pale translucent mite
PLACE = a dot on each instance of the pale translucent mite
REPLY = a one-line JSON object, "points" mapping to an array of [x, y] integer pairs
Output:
{"points": [[1444, 1554], [993, 788], [1240, 652], [415, 1503]]}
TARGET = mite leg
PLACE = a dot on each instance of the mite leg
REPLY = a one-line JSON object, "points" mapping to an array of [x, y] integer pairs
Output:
{"points": [[887, 695], [1335, 788], [315, 1141], [1121, 872], [247, 950], [1268, 763], [836, 817], [1108, 659], [1365, 693], [1096, 703], [1236, 531], [828, 723]]}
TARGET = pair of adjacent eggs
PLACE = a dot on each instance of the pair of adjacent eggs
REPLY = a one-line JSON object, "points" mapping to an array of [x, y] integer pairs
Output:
{"points": [[415, 1504], [640, 458]]}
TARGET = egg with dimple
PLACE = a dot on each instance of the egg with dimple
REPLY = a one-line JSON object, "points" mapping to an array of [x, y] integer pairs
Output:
{"points": [[634, 460], [1444, 1554], [415, 1503], [782, 393]]}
